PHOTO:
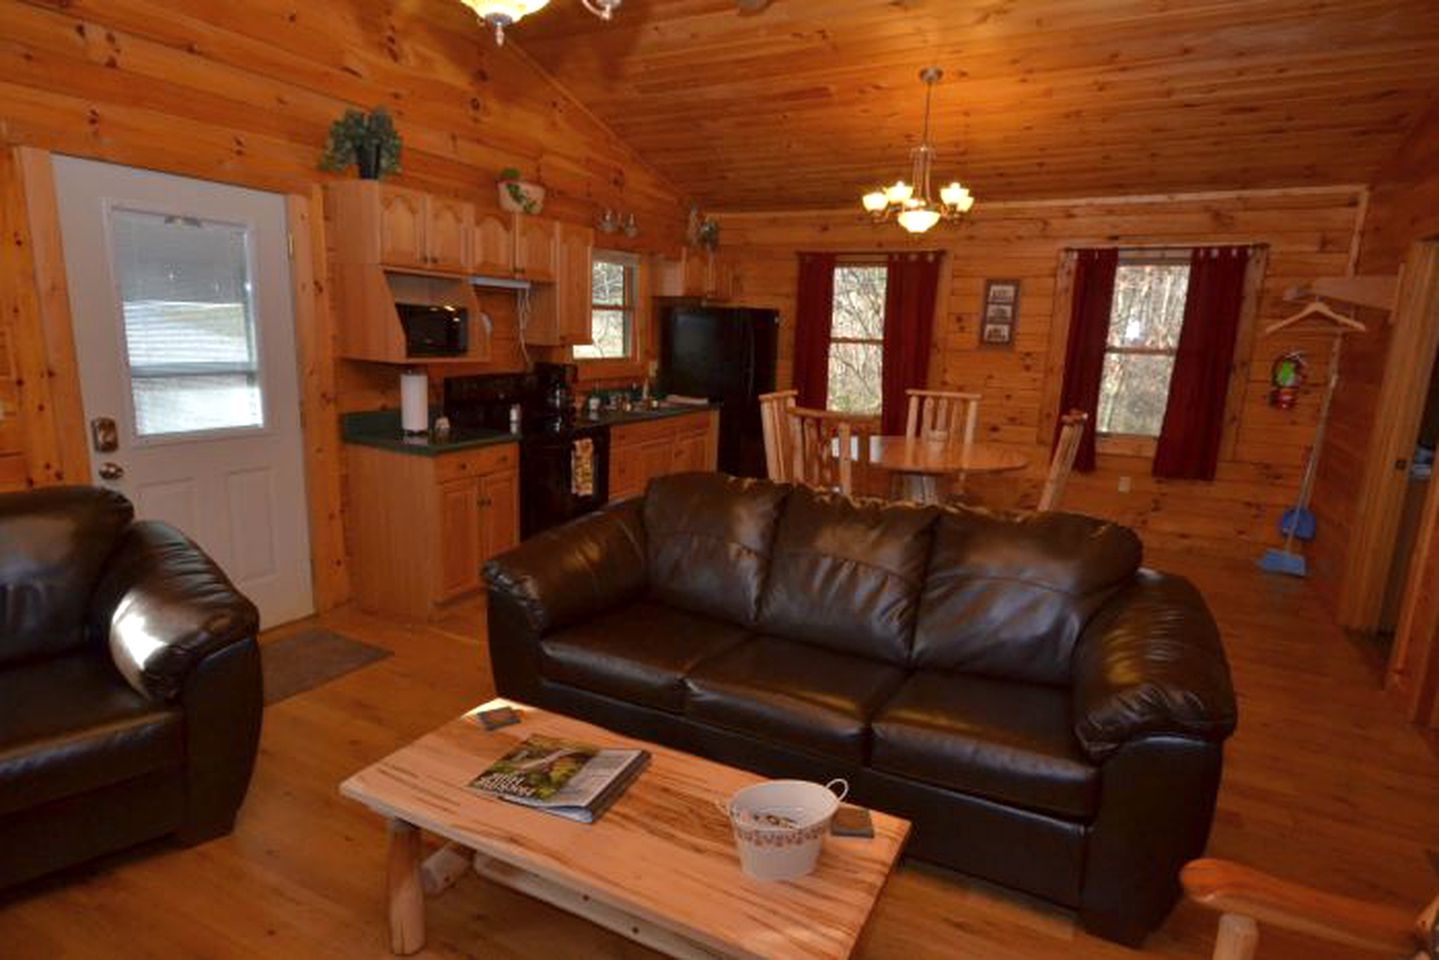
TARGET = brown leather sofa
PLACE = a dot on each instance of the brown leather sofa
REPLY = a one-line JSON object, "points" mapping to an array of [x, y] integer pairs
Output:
{"points": [[88, 763], [1049, 715]]}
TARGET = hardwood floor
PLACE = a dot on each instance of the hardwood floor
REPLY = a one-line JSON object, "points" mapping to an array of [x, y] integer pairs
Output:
{"points": [[1324, 782]]}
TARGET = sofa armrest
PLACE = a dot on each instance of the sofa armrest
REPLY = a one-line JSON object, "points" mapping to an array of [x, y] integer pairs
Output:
{"points": [[1150, 663], [575, 571], [164, 606]]}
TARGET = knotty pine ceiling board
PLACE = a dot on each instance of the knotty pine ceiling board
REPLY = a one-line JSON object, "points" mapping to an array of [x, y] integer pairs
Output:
{"points": [[810, 102]]}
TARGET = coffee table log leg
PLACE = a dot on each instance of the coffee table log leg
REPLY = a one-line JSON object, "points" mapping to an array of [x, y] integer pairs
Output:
{"points": [[407, 898]]}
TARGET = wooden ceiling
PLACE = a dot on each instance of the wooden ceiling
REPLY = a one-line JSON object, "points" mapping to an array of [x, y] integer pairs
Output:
{"points": [[809, 102]]}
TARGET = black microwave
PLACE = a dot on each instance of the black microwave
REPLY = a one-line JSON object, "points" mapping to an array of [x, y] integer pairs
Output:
{"points": [[434, 331]]}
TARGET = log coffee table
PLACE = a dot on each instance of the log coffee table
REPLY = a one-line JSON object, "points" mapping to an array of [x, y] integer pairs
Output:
{"points": [[659, 867]]}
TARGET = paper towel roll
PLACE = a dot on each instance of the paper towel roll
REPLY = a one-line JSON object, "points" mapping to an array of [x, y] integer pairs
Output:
{"points": [[414, 402]]}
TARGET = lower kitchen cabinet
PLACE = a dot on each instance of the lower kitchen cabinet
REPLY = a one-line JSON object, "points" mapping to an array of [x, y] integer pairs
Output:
{"points": [[639, 452], [422, 527]]}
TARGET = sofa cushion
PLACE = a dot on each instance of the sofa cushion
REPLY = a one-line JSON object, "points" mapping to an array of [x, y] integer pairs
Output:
{"points": [[71, 724], [847, 575], [1008, 596], [999, 739], [792, 693], [55, 542], [710, 538], [639, 653]]}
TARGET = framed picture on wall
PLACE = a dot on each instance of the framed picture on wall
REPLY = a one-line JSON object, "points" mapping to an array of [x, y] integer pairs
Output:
{"points": [[998, 313]]}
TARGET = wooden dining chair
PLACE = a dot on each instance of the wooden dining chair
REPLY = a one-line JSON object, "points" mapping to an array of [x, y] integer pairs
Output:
{"points": [[1062, 463], [944, 415], [818, 438], [774, 421], [1244, 898]]}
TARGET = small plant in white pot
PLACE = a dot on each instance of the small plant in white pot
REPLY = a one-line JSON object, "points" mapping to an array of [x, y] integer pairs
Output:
{"points": [[520, 196]]}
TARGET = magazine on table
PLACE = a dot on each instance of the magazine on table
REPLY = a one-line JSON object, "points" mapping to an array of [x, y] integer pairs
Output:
{"points": [[578, 781]]}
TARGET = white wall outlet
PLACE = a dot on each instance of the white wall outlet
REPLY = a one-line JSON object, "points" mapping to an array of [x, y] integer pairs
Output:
{"points": [[1125, 484]]}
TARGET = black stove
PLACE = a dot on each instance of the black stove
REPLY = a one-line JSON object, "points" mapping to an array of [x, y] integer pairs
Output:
{"points": [[564, 461]]}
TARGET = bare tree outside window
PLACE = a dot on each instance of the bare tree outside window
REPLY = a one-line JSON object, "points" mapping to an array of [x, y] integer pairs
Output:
{"points": [[612, 310], [1144, 325], [856, 350]]}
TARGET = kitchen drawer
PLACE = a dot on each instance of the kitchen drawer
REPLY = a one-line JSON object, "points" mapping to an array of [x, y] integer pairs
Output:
{"points": [[472, 463]]}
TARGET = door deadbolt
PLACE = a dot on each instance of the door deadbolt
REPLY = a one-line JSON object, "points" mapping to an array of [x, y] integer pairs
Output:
{"points": [[103, 435], [110, 470]]}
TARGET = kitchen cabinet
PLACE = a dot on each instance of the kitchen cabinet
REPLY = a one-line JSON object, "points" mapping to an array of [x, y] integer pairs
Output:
{"points": [[560, 313], [493, 246], [704, 274], [422, 527], [373, 222], [641, 451], [536, 248]]}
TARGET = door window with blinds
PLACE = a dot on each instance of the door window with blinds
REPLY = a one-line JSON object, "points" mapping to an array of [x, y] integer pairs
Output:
{"points": [[189, 324], [1150, 288]]}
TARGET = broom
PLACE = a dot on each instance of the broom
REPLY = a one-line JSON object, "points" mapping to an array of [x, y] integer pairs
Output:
{"points": [[1299, 521]]}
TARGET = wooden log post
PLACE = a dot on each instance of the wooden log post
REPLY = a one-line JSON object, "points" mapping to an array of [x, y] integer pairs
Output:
{"points": [[407, 898]]}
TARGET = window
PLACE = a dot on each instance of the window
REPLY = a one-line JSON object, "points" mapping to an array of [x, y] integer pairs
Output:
{"points": [[856, 347], [189, 323], [1144, 325], [612, 308]]}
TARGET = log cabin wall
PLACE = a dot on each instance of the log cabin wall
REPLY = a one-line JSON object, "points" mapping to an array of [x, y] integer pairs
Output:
{"points": [[1403, 208], [1309, 234], [245, 94]]}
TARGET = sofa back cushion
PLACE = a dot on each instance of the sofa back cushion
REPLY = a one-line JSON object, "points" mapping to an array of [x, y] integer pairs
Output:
{"points": [[1008, 596], [709, 538], [53, 545], [847, 574]]}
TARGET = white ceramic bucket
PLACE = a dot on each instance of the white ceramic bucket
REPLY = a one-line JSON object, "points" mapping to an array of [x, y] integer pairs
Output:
{"points": [[780, 825]]}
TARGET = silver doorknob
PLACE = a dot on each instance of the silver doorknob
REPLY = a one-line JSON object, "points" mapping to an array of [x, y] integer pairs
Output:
{"points": [[110, 470]]}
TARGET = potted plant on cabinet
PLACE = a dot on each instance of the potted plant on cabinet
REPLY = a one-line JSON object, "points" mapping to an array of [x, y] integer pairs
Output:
{"points": [[368, 140], [520, 196]]}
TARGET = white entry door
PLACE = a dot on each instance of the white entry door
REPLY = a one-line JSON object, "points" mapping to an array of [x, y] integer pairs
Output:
{"points": [[184, 331]]}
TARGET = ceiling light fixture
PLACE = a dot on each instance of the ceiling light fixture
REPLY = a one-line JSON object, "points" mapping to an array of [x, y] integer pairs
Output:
{"points": [[911, 204], [499, 14]]}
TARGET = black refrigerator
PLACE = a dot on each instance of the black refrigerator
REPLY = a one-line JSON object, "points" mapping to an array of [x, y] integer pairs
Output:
{"points": [[724, 354]]}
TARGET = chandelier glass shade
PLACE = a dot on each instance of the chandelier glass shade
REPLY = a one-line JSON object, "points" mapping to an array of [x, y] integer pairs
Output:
{"points": [[499, 14], [912, 205]]}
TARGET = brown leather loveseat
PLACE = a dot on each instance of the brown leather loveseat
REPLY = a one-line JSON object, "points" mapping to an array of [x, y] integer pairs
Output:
{"points": [[129, 683], [1047, 713]]}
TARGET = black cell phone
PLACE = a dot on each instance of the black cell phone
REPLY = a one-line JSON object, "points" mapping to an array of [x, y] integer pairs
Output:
{"points": [[851, 821]]}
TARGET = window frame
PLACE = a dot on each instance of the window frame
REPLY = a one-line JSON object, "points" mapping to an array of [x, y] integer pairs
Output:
{"points": [[629, 307], [1140, 444], [841, 263]]}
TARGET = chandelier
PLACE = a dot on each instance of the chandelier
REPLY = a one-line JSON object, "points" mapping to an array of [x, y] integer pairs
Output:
{"points": [[499, 14], [911, 203]]}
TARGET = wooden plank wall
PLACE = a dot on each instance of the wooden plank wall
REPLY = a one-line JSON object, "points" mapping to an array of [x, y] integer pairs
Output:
{"points": [[1309, 234], [1403, 208]]}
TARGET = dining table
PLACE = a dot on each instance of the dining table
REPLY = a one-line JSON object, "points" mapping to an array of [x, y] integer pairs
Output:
{"points": [[923, 465]]}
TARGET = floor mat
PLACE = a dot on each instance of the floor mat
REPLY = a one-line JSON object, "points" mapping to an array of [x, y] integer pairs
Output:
{"points": [[304, 661]]}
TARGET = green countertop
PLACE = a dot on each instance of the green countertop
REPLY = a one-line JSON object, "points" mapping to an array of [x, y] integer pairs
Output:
{"points": [[381, 429]]}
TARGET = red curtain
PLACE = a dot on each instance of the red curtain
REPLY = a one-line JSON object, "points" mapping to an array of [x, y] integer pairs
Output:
{"points": [[812, 316], [1194, 418], [1084, 354], [910, 292]]}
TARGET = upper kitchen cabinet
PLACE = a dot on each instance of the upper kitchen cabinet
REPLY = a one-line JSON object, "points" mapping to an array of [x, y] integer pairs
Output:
{"points": [[492, 246], [695, 273], [560, 312], [373, 222], [537, 241]]}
